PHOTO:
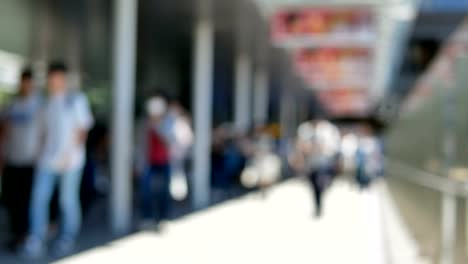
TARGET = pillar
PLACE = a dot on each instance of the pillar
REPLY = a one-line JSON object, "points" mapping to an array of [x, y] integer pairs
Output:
{"points": [[124, 58], [261, 93], [203, 51], [242, 94]]}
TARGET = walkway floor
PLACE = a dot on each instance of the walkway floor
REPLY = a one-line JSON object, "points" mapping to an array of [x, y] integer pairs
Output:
{"points": [[278, 229]]}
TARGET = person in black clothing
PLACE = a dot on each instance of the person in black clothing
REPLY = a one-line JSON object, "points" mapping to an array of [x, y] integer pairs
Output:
{"points": [[20, 149], [321, 178]]}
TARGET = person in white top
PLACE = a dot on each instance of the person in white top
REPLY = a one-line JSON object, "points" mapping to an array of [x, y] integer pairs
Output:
{"points": [[65, 121], [318, 142], [20, 150], [179, 148]]}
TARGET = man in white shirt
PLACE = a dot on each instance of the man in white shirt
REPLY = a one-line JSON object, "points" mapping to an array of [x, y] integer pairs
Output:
{"points": [[20, 150], [66, 120]]}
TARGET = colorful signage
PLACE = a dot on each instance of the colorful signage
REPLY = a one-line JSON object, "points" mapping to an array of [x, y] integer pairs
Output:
{"points": [[332, 51], [332, 68], [316, 27], [345, 102]]}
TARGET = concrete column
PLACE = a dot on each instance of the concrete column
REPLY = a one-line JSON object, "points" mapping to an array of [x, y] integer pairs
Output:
{"points": [[296, 102], [294, 108], [203, 51], [242, 95], [286, 113], [124, 59], [261, 99], [73, 53], [43, 31], [303, 105]]}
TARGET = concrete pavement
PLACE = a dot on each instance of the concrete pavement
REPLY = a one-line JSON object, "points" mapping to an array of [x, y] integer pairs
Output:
{"points": [[279, 229]]}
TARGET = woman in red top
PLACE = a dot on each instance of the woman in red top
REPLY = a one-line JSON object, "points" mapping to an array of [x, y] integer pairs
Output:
{"points": [[155, 179]]}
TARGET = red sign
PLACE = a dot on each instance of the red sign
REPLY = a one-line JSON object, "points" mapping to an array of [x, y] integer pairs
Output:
{"points": [[331, 68], [333, 53], [339, 102], [315, 27]]}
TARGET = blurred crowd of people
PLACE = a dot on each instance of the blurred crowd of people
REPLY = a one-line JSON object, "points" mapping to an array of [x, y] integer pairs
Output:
{"points": [[323, 151], [50, 141], [248, 159], [55, 161]]}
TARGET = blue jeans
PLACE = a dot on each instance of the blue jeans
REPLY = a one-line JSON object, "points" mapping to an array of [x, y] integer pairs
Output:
{"points": [[69, 202], [155, 192]]}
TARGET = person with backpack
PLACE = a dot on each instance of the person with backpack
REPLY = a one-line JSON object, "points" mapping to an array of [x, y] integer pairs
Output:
{"points": [[64, 124], [155, 137]]}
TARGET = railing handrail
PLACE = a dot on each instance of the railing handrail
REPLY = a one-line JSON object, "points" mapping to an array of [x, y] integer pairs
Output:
{"points": [[427, 179]]}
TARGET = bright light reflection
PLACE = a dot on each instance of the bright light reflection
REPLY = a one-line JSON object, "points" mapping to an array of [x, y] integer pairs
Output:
{"points": [[279, 229]]}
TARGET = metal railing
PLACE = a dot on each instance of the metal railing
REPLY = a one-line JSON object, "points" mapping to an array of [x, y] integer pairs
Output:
{"points": [[450, 189], [427, 179]]}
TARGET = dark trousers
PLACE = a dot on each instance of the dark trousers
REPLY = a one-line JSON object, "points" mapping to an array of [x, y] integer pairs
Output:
{"points": [[319, 180], [16, 185], [317, 189], [155, 192]]}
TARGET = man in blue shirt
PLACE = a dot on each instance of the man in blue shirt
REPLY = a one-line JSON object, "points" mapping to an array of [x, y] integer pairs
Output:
{"points": [[65, 122]]}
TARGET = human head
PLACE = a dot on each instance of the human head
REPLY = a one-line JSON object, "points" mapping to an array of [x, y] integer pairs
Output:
{"points": [[26, 82], [156, 107], [57, 77]]}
